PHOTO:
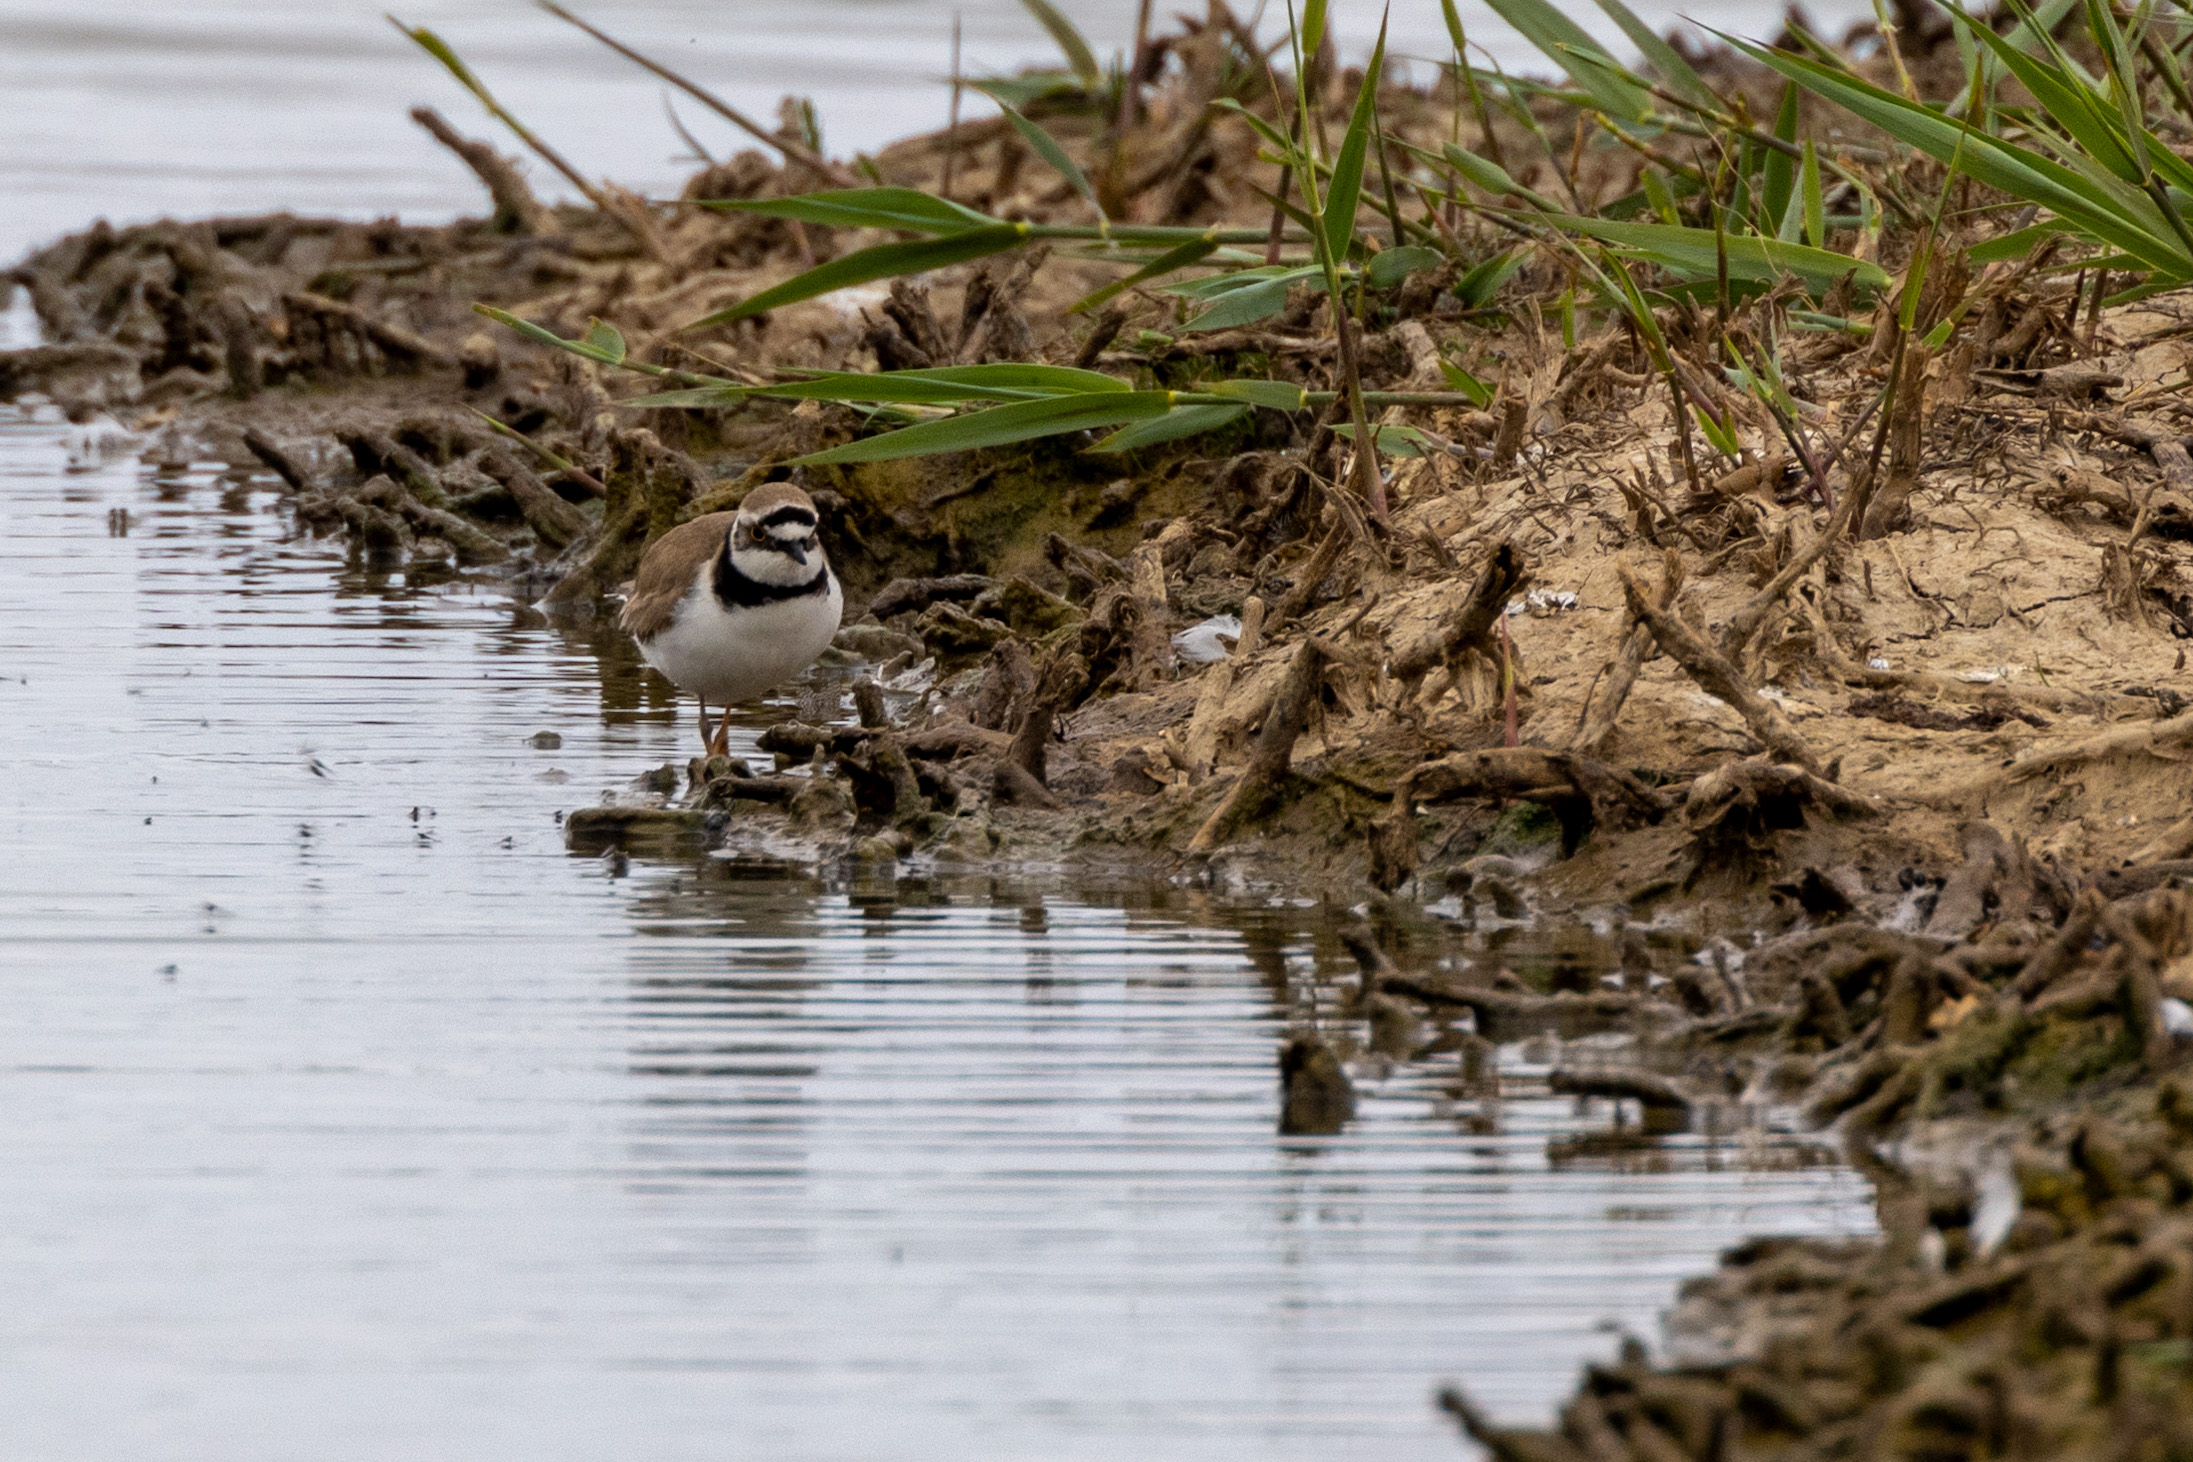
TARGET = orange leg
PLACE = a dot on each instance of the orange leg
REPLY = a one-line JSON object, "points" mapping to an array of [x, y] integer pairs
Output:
{"points": [[720, 743], [704, 724]]}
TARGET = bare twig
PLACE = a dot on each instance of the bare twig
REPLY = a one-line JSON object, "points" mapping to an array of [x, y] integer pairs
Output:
{"points": [[1267, 768], [790, 148], [1718, 678]]}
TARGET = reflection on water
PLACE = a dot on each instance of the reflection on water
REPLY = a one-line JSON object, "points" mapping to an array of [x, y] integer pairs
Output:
{"points": [[348, 1116]]}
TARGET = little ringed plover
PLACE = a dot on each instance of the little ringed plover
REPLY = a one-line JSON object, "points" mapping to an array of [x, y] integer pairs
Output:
{"points": [[731, 604]]}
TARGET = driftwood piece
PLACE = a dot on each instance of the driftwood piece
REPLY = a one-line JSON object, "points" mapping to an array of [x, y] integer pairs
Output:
{"points": [[1316, 1097], [1629, 659], [279, 459], [1617, 798], [1064, 681], [1745, 793], [939, 741], [2175, 841], [1718, 678], [1313, 574], [1647, 1088], [517, 211], [1583, 792], [1204, 731], [1961, 905], [1269, 758], [554, 521], [1472, 622], [2048, 963], [1012, 782], [2165, 740], [1510, 1015], [1745, 622], [394, 340], [2140, 990], [902, 596]]}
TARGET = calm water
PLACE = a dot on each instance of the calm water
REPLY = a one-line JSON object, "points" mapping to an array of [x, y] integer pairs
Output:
{"points": [[186, 107], [345, 1115]]}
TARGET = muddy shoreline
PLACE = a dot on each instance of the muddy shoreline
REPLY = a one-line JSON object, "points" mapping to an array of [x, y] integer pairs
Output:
{"points": [[1914, 779]]}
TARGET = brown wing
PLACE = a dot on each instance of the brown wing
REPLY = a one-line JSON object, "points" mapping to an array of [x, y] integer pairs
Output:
{"points": [[666, 573]]}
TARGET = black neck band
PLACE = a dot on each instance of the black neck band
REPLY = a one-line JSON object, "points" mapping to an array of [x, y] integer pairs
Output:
{"points": [[737, 591]]}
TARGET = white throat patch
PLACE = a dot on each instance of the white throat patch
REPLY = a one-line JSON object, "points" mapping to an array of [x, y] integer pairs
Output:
{"points": [[768, 566]]}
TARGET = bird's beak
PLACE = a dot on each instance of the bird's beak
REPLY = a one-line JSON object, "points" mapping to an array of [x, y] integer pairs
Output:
{"points": [[799, 554]]}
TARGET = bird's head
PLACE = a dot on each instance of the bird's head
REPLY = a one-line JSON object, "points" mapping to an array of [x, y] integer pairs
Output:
{"points": [[773, 539]]}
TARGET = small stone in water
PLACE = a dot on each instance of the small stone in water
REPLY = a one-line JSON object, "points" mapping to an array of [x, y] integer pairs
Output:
{"points": [[545, 741]]}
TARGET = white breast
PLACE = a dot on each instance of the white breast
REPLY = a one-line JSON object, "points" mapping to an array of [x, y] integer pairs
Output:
{"points": [[728, 656]]}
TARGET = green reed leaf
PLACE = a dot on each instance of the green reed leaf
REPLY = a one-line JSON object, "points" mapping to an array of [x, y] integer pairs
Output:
{"points": [[1046, 147], [1566, 45], [1194, 251], [1692, 254], [1815, 204], [590, 348], [1245, 306], [1078, 56], [1389, 267], [1477, 287], [1181, 421], [1666, 62], [885, 261], [906, 209], [1278, 395], [1346, 186], [1778, 173], [1461, 380], [998, 426], [607, 341]]}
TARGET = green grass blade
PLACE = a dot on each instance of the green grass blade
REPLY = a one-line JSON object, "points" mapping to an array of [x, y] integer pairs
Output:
{"points": [[1778, 173], [1393, 441], [1493, 178], [1724, 441], [1815, 204], [1455, 34], [1477, 287], [1245, 306], [1278, 395], [1692, 254], [998, 426], [1194, 251], [2067, 99], [1046, 147], [692, 397], [940, 386], [1079, 58], [2102, 206], [1219, 285], [1481, 392], [1019, 376], [1181, 421], [545, 336], [1346, 187], [885, 261], [1666, 62], [1281, 143], [607, 341], [1311, 32], [907, 209], [1391, 266], [2014, 245], [1565, 44], [1791, 230]]}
